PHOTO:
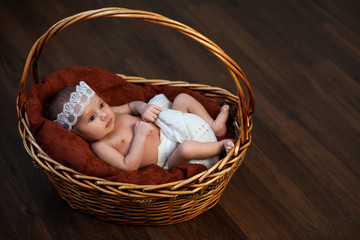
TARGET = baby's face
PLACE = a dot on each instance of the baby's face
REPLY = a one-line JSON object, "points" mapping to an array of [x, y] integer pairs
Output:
{"points": [[97, 120]]}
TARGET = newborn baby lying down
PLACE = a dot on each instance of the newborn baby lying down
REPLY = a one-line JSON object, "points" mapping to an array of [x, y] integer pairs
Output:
{"points": [[137, 134]]}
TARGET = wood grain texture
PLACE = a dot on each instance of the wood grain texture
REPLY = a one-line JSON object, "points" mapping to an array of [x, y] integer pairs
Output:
{"points": [[300, 178]]}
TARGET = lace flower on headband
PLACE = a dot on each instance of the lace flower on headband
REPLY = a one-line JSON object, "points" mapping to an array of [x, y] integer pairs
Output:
{"points": [[75, 107]]}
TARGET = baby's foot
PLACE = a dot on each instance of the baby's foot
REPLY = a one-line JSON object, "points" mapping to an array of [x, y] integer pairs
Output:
{"points": [[228, 145], [219, 124]]}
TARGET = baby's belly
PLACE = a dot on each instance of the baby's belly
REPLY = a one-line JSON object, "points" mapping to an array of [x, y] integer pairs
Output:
{"points": [[125, 135], [151, 148]]}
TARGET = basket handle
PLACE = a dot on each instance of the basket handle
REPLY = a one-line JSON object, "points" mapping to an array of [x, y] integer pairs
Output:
{"points": [[246, 104]]}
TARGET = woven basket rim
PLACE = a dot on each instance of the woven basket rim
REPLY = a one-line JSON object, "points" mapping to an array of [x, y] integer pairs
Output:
{"points": [[43, 161]]}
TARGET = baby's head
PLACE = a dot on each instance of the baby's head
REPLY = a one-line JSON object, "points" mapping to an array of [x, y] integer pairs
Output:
{"points": [[80, 110]]}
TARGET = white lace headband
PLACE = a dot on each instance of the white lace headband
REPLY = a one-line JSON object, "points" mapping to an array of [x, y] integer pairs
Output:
{"points": [[75, 107]]}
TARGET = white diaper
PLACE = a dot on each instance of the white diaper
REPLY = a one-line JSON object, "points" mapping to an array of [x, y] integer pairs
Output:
{"points": [[177, 127], [165, 148]]}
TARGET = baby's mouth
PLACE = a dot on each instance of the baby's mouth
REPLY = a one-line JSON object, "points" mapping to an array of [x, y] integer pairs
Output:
{"points": [[109, 123]]}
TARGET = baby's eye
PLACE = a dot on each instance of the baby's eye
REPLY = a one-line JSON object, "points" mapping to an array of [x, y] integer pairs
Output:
{"points": [[91, 118], [101, 105]]}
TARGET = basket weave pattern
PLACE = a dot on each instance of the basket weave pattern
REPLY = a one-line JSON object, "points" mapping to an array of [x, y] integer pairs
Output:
{"points": [[144, 204]]}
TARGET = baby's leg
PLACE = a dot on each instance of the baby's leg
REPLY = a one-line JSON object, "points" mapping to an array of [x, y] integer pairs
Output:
{"points": [[189, 150], [186, 103]]}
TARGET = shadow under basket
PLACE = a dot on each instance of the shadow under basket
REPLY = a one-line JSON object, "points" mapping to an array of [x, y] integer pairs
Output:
{"points": [[126, 203]]}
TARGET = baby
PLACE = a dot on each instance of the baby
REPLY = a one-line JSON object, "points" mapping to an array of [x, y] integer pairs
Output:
{"points": [[134, 135]]}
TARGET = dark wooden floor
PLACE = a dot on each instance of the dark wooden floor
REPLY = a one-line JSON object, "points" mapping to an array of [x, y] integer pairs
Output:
{"points": [[300, 178]]}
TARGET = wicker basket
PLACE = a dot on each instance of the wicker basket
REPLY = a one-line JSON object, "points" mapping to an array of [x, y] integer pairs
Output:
{"points": [[144, 204]]}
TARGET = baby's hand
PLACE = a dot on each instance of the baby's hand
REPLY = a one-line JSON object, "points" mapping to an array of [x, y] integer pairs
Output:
{"points": [[150, 112], [142, 128]]}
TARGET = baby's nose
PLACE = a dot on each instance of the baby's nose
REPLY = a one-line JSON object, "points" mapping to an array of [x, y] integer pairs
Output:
{"points": [[103, 115]]}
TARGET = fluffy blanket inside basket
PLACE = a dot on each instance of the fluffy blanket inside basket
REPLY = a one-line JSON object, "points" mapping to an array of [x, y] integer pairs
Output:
{"points": [[72, 151]]}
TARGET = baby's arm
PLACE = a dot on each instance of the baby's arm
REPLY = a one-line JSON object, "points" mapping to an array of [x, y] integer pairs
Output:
{"points": [[148, 112], [133, 160]]}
